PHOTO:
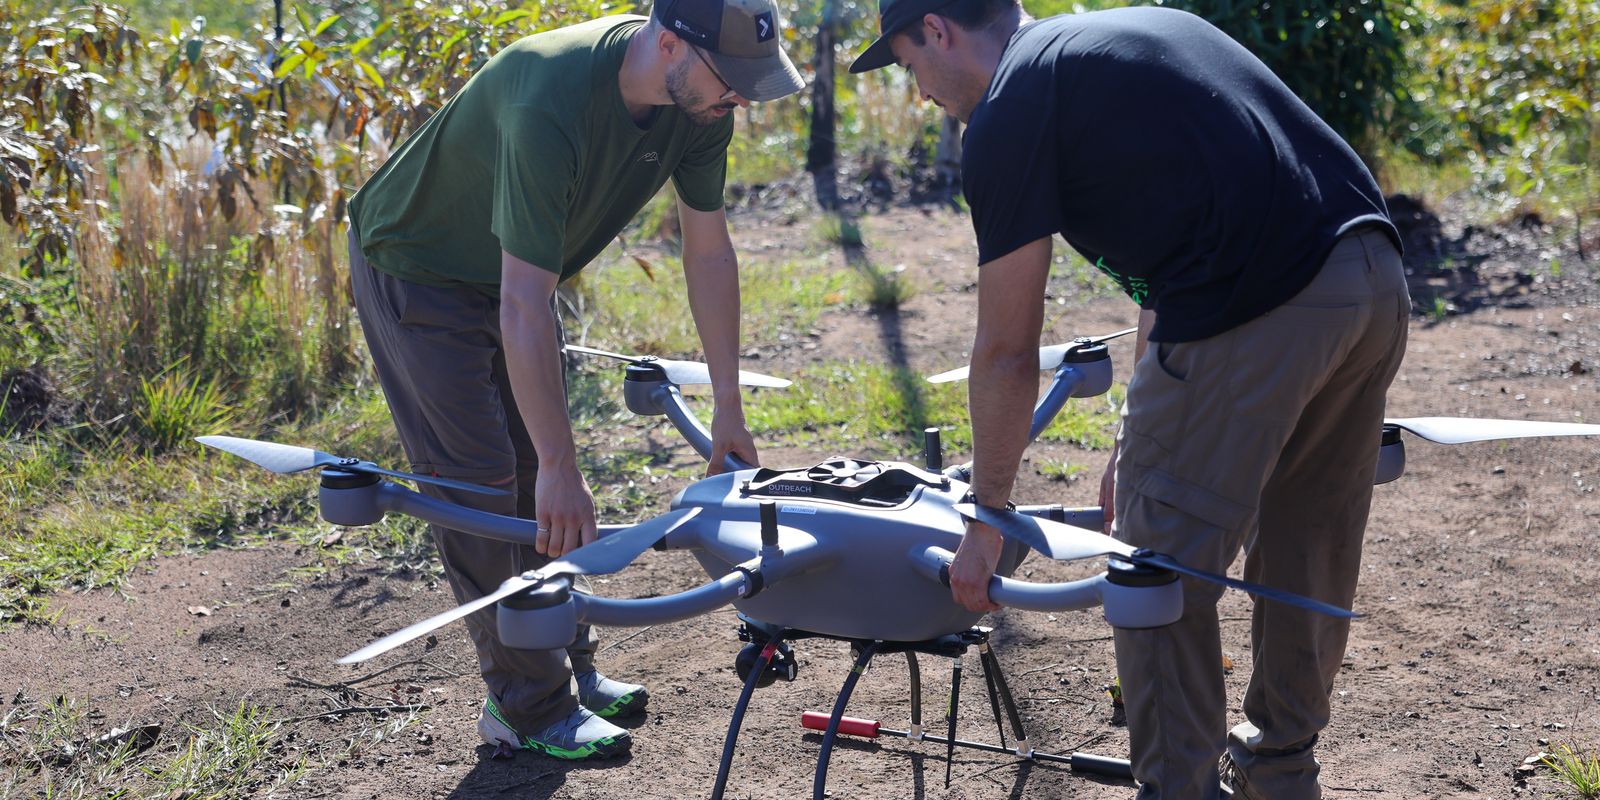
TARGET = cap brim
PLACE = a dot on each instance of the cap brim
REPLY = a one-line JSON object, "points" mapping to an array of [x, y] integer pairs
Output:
{"points": [[760, 79], [877, 56]]}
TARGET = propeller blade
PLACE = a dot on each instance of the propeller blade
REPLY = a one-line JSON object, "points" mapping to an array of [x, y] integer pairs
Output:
{"points": [[1109, 336], [691, 373], [611, 553], [1460, 430], [283, 459], [685, 373], [1066, 543], [286, 459], [511, 586], [1052, 539], [1164, 561], [600, 557], [573, 348], [957, 374], [451, 483], [1050, 356]]}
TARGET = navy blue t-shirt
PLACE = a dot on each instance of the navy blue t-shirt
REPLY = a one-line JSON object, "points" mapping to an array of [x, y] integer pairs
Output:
{"points": [[1170, 157]]}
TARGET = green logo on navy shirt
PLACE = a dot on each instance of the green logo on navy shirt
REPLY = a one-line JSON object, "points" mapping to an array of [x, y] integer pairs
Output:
{"points": [[1134, 287]]}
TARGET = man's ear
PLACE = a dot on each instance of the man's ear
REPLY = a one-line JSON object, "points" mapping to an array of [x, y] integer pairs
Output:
{"points": [[668, 43], [936, 30]]}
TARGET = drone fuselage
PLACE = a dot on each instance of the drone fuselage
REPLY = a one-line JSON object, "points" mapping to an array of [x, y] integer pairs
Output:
{"points": [[860, 547]]}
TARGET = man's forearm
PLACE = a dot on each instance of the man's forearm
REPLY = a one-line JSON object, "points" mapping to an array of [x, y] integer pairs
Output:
{"points": [[1001, 391], [711, 275], [713, 289], [1004, 382], [533, 366]]}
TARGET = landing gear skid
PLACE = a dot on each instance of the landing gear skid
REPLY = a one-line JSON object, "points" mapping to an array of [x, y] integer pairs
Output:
{"points": [[953, 646]]}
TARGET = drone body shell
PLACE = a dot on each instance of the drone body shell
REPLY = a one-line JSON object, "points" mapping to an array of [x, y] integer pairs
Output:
{"points": [[861, 583]]}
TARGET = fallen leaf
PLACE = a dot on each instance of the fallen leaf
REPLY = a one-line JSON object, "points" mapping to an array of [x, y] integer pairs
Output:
{"points": [[332, 538], [200, 611], [1227, 664]]}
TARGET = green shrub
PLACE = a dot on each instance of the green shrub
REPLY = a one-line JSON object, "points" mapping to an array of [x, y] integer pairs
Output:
{"points": [[1344, 59]]}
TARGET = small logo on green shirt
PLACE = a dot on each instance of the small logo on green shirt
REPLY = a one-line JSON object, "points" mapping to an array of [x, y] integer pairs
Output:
{"points": [[651, 157]]}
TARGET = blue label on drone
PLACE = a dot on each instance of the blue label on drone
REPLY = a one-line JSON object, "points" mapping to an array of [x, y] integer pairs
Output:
{"points": [[797, 509]]}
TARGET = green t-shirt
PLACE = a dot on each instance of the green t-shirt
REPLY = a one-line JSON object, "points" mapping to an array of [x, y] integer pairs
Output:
{"points": [[537, 155]]}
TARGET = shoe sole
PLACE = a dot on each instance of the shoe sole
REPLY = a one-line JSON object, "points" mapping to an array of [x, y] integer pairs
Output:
{"points": [[599, 749]]}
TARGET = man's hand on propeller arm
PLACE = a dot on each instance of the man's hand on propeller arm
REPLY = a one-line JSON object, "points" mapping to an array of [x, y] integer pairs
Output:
{"points": [[564, 509], [974, 565], [729, 435]]}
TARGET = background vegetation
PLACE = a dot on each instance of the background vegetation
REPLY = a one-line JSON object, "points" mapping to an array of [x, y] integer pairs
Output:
{"points": [[173, 183]]}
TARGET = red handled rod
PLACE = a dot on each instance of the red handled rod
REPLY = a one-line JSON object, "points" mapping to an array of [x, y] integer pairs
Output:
{"points": [[870, 729]]}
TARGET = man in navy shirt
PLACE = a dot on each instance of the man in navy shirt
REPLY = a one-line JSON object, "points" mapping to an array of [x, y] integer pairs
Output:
{"points": [[1272, 319]]}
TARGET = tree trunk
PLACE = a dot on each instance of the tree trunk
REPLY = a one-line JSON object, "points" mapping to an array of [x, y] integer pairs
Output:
{"points": [[947, 158], [820, 154]]}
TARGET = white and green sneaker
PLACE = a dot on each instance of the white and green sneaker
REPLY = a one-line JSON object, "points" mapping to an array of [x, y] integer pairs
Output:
{"points": [[609, 698], [578, 737]]}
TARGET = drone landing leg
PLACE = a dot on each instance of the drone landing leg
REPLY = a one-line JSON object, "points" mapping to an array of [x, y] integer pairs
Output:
{"points": [[990, 670], [991, 665], [950, 717], [738, 716], [915, 734], [865, 655]]}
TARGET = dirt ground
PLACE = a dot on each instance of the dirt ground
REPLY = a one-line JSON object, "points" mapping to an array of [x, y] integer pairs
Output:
{"points": [[1481, 644]]}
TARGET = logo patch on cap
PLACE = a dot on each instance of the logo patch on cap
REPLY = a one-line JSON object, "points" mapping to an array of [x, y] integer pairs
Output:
{"points": [[765, 29]]}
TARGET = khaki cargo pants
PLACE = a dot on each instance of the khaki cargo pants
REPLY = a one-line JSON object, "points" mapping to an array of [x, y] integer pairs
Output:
{"points": [[443, 371], [1264, 437]]}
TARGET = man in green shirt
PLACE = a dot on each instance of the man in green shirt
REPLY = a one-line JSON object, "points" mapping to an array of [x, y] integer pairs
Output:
{"points": [[457, 245]]}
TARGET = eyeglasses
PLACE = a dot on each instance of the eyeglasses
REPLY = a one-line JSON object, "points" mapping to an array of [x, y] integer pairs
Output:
{"points": [[727, 95]]}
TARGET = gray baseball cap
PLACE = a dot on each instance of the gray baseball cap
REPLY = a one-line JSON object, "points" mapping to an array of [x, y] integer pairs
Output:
{"points": [[744, 40]]}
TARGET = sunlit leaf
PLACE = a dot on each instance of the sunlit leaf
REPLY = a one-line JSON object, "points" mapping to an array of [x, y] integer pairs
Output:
{"points": [[370, 71], [508, 16], [288, 65]]}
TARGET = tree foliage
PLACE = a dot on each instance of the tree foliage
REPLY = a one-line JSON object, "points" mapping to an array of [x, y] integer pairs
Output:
{"points": [[1345, 59], [1511, 87]]}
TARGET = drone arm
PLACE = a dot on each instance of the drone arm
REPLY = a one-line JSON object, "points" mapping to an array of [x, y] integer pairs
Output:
{"points": [[392, 497], [694, 432], [1061, 385], [1082, 379], [1125, 606], [1089, 518], [595, 610]]}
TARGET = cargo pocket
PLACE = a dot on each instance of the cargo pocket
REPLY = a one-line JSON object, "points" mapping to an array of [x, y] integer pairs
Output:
{"points": [[1158, 402], [1189, 522]]}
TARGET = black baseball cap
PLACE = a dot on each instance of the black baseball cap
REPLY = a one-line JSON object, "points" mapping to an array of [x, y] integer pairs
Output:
{"points": [[893, 17], [744, 41]]}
